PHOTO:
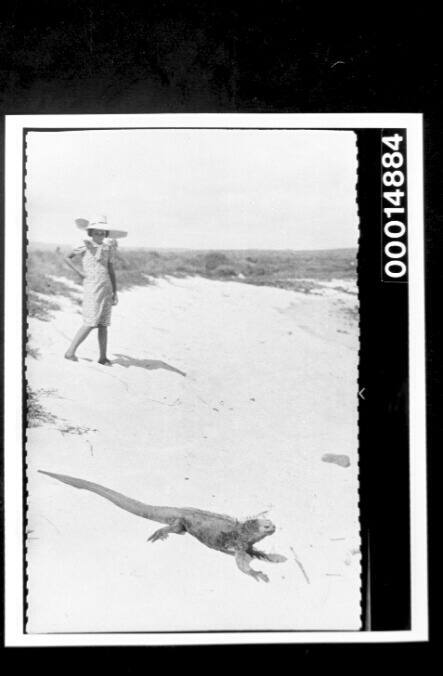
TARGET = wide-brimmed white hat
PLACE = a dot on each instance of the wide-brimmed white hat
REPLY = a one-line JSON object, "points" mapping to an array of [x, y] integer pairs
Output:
{"points": [[101, 223]]}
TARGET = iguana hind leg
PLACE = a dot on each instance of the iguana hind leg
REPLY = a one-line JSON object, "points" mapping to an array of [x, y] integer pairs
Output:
{"points": [[243, 561], [162, 533]]}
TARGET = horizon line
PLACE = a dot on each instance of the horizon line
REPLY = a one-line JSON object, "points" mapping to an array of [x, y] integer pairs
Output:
{"points": [[183, 248]]}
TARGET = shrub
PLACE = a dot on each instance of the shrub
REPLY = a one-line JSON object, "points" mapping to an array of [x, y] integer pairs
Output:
{"points": [[224, 271], [259, 271], [214, 260]]}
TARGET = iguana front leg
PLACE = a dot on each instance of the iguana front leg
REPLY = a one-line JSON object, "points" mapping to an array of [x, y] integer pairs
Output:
{"points": [[273, 558], [177, 527], [243, 561]]}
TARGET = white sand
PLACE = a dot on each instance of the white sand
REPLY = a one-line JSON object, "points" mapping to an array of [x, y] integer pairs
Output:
{"points": [[270, 387]]}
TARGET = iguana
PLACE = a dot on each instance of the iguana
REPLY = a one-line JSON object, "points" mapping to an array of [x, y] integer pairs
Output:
{"points": [[217, 531]]}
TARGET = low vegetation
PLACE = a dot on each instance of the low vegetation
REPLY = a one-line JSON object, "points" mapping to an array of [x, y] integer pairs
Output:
{"points": [[36, 414], [297, 270]]}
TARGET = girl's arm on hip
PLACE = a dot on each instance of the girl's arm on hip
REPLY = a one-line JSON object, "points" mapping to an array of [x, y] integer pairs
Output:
{"points": [[68, 261]]}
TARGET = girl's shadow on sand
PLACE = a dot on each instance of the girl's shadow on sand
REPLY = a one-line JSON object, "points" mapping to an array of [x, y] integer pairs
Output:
{"points": [[148, 364]]}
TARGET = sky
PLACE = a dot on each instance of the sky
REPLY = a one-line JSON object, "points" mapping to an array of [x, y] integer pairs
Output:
{"points": [[196, 189]]}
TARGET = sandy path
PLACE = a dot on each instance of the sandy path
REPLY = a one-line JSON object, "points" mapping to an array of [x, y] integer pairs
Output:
{"points": [[270, 387]]}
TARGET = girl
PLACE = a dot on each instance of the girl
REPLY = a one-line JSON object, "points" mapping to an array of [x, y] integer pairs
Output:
{"points": [[99, 283]]}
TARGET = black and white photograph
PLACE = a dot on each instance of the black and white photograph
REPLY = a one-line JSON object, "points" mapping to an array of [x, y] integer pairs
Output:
{"points": [[192, 339]]}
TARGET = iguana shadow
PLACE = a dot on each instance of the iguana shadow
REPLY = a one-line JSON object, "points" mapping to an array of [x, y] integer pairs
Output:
{"points": [[148, 364]]}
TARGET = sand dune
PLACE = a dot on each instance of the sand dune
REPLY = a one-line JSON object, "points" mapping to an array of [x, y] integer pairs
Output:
{"points": [[222, 396]]}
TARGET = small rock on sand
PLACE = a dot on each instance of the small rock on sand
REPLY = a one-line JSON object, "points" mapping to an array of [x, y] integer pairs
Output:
{"points": [[342, 460]]}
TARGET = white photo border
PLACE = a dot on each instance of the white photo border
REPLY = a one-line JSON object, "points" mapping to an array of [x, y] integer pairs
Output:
{"points": [[15, 126]]}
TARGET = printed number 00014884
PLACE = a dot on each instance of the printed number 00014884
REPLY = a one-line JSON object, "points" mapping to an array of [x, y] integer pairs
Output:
{"points": [[394, 230]]}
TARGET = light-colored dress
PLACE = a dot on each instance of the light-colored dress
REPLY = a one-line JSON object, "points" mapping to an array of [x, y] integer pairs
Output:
{"points": [[97, 287]]}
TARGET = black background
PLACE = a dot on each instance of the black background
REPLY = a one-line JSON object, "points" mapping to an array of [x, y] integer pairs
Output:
{"points": [[383, 411], [64, 56]]}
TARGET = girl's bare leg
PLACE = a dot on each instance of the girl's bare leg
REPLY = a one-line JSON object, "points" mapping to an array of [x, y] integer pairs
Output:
{"points": [[103, 344], [79, 337]]}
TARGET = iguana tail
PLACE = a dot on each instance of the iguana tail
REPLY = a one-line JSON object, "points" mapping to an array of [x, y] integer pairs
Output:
{"points": [[154, 513]]}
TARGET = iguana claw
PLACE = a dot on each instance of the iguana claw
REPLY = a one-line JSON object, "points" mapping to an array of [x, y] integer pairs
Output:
{"points": [[258, 575]]}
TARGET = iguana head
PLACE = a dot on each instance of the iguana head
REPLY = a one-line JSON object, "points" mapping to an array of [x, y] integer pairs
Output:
{"points": [[257, 529]]}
